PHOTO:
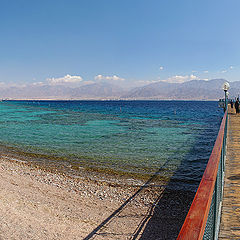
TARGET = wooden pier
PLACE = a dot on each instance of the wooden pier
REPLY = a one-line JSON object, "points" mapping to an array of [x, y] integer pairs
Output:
{"points": [[230, 219]]}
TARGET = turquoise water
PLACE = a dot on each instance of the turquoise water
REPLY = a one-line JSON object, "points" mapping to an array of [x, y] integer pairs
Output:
{"points": [[173, 138]]}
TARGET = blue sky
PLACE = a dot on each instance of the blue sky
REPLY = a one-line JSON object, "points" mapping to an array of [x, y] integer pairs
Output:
{"points": [[130, 42]]}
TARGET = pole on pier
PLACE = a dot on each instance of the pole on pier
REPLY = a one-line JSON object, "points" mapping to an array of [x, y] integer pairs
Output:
{"points": [[225, 88]]}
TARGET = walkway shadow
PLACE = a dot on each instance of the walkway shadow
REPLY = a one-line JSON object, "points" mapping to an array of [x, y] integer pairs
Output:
{"points": [[166, 216], [115, 213]]}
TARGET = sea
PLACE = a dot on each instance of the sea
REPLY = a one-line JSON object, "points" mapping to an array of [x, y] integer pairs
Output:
{"points": [[171, 140]]}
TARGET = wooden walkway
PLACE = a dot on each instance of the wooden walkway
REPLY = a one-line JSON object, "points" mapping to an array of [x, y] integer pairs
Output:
{"points": [[230, 220]]}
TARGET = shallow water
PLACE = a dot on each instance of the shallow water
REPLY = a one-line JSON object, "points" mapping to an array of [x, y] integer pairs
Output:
{"points": [[171, 138]]}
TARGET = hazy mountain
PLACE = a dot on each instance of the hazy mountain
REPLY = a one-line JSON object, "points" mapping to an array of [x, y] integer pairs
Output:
{"points": [[196, 90], [159, 89], [97, 90]]}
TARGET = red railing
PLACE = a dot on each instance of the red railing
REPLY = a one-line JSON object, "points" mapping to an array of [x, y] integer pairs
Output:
{"points": [[195, 222]]}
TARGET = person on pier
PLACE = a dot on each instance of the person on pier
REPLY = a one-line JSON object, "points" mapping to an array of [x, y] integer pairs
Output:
{"points": [[237, 106]]}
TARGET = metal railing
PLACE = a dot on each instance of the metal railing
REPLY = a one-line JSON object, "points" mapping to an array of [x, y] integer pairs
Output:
{"points": [[203, 219]]}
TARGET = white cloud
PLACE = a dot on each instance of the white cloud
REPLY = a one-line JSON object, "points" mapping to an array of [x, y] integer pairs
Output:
{"points": [[205, 71], [161, 68], [224, 71], [64, 80], [38, 83], [231, 67], [181, 79], [193, 77], [108, 78]]}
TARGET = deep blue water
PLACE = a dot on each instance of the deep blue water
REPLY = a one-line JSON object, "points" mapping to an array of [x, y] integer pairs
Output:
{"points": [[172, 138]]}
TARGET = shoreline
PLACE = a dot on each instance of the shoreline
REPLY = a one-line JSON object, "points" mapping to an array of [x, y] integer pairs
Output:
{"points": [[61, 165]]}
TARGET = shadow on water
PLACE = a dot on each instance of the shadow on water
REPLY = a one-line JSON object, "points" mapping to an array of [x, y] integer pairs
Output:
{"points": [[167, 213]]}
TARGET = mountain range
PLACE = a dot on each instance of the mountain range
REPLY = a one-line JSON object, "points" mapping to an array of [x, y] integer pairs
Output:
{"points": [[191, 90]]}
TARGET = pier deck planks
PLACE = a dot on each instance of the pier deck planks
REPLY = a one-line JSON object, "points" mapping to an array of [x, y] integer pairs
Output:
{"points": [[230, 219]]}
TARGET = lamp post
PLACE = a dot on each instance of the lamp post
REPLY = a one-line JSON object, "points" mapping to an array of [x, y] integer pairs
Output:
{"points": [[225, 88]]}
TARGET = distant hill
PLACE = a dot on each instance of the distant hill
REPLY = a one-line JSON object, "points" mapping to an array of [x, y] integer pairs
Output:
{"points": [[97, 90], [192, 90], [155, 90]]}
